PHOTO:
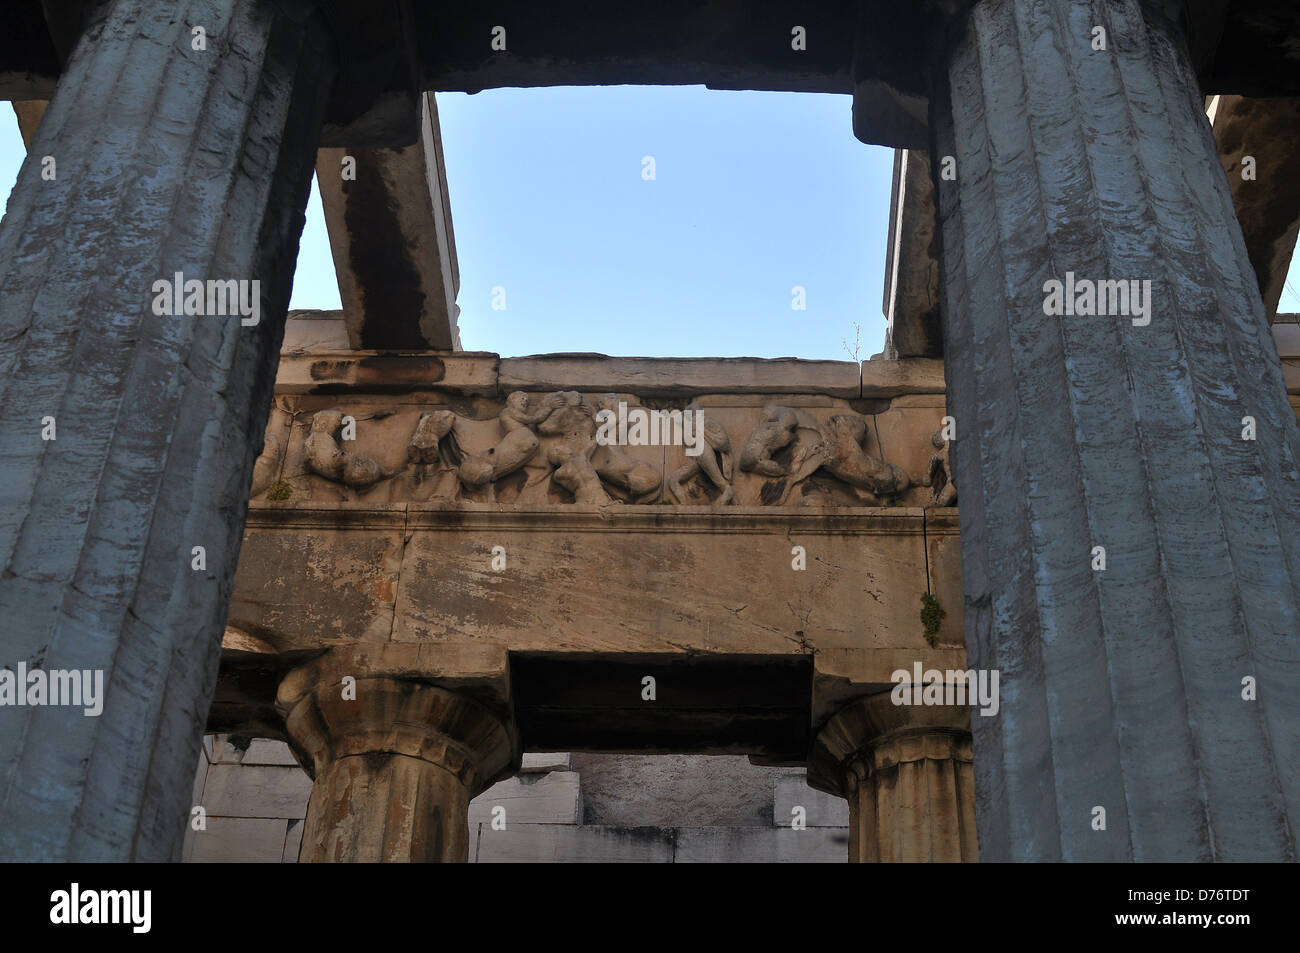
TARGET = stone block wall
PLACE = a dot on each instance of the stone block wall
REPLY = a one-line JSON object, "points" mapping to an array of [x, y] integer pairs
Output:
{"points": [[567, 808]]}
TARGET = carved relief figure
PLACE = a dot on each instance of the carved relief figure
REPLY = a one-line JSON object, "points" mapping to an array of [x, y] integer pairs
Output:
{"points": [[841, 453], [516, 448], [327, 459], [435, 442], [576, 474], [569, 415], [714, 462], [943, 491], [267, 464], [776, 432], [618, 467]]}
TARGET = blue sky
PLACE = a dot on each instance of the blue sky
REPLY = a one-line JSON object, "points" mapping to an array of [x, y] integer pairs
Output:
{"points": [[754, 194]]}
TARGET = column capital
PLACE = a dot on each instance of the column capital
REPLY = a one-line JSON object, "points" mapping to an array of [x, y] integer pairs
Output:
{"points": [[907, 773], [328, 718], [871, 734]]}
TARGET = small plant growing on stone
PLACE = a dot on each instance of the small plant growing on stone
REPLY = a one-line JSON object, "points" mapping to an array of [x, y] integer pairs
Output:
{"points": [[280, 490], [932, 616]]}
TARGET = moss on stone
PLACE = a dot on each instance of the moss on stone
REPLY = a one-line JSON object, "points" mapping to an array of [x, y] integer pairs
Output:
{"points": [[932, 615]]}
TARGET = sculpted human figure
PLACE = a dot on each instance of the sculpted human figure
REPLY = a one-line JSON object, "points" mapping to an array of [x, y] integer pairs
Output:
{"points": [[575, 473], [943, 491], [435, 442], [847, 436], [518, 420], [714, 462], [776, 432], [519, 443], [841, 453], [618, 467], [326, 458], [268, 462], [569, 415]]}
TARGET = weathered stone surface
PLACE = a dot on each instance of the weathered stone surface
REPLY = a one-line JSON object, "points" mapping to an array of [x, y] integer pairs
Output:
{"points": [[600, 844], [943, 565], [1122, 688], [627, 790], [292, 842], [261, 751], [261, 790], [238, 840], [684, 376], [308, 331], [886, 378], [718, 598], [200, 779], [552, 798], [1265, 194], [820, 809], [903, 433], [201, 165], [716, 601], [1286, 335], [30, 113], [549, 843], [322, 371], [740, 845], [538, 761], [912, 260]]}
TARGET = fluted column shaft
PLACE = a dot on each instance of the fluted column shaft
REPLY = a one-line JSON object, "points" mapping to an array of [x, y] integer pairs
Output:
{"points": [[912, 798], [1122, 686], [906, 772], [127, 436], [395, 762]]}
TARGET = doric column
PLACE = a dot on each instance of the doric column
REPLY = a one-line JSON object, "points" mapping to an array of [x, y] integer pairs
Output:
{"points": [[906, 772], [395, 762], [127, 436], [1130, 499]]}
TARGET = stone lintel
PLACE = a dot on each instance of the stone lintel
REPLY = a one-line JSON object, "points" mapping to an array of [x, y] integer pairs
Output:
{"points": [[842, 675], [885, 378], [1268, 201], [392, 241], [616, 518], [351, 372], [676, 376], [317, 357]]}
